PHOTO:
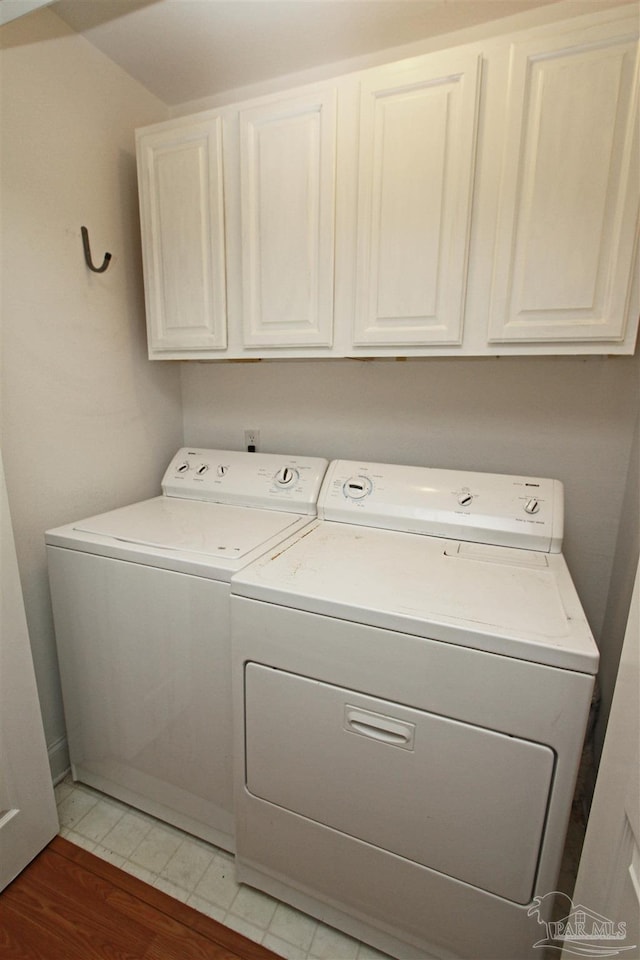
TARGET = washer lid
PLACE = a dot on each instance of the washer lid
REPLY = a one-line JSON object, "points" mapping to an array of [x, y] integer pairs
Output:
{"points": [[191, 526], [518, 603]]}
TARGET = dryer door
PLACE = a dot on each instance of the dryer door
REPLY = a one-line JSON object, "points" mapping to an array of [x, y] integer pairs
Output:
{"points": [[460, 799]]}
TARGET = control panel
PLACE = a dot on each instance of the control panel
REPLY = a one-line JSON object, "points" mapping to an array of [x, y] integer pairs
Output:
{"points": [[271, 481], [513, 511]]}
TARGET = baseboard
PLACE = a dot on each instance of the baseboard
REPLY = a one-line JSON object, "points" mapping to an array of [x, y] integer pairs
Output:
{"points": [[59, 763]]}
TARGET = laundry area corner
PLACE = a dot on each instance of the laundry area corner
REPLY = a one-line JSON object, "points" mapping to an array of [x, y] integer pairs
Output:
{"points": [[320, 413]]}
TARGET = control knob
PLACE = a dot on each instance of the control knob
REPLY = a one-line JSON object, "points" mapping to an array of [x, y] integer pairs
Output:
{"points": [[183, 467], [286, 476], [465, 499], [202, 469], [356, 488], [221, 470], [532, 505]]}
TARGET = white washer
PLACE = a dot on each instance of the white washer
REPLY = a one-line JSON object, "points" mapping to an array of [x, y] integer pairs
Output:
{"points": [[412, 682], [141, 608]]}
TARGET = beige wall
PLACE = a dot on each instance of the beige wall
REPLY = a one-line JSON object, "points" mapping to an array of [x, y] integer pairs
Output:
{"points": [[621, 587], [87, 423]]}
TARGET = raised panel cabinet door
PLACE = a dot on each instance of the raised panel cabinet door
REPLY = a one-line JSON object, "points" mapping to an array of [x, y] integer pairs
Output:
{"points": [[416, 170], [569, 190], [287, 176], [182, 217]]}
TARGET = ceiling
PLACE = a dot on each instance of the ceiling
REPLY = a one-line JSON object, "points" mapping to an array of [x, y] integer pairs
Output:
{"points": [[184, 50]]}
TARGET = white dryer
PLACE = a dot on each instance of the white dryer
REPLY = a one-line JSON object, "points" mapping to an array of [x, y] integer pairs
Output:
{"points": [[412, 682], [141, 609]]}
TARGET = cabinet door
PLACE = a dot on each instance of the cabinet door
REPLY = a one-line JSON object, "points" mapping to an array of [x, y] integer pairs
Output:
{"points": [[569, 188], [182, 219], [287, 169], [417, 152]]}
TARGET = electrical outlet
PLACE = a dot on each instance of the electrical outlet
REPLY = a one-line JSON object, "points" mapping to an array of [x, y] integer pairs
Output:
{"points": [[251, 440]]}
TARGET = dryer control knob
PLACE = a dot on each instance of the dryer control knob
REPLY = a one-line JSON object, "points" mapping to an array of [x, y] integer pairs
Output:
{"points": [[465, 499], [286, 476], [221, 470], [202, 469], [532, 505], [356, 488], [183, 467]]}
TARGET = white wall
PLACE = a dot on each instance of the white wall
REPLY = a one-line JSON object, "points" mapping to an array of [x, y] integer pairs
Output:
{"points": [[567, 418], [506, 22], [87, 422]]}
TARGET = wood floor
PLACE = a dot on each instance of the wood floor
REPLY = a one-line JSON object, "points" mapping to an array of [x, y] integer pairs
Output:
{"points": [[70, 905]]}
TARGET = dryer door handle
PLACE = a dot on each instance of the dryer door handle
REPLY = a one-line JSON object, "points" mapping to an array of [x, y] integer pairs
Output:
{"points": [[376, 726]]}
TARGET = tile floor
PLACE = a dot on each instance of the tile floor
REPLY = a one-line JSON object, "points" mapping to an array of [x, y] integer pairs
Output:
{"points": [[196, 873], [203, 875]]}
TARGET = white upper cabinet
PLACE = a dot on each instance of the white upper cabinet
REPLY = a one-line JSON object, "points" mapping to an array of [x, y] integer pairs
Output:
{"points": [[476, 201], [568, 203], [180, 181], [287, 203], [416, 165]]}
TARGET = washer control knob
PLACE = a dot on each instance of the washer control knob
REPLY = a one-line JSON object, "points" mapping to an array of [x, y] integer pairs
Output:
{"points": [[532, 505], [221, 470], [202, 469], [183, 467], [286, 476], [356, 488], [465, 499]]}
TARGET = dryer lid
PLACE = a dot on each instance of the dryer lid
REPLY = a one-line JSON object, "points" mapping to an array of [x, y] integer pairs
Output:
{"points": [[513, 602]]}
